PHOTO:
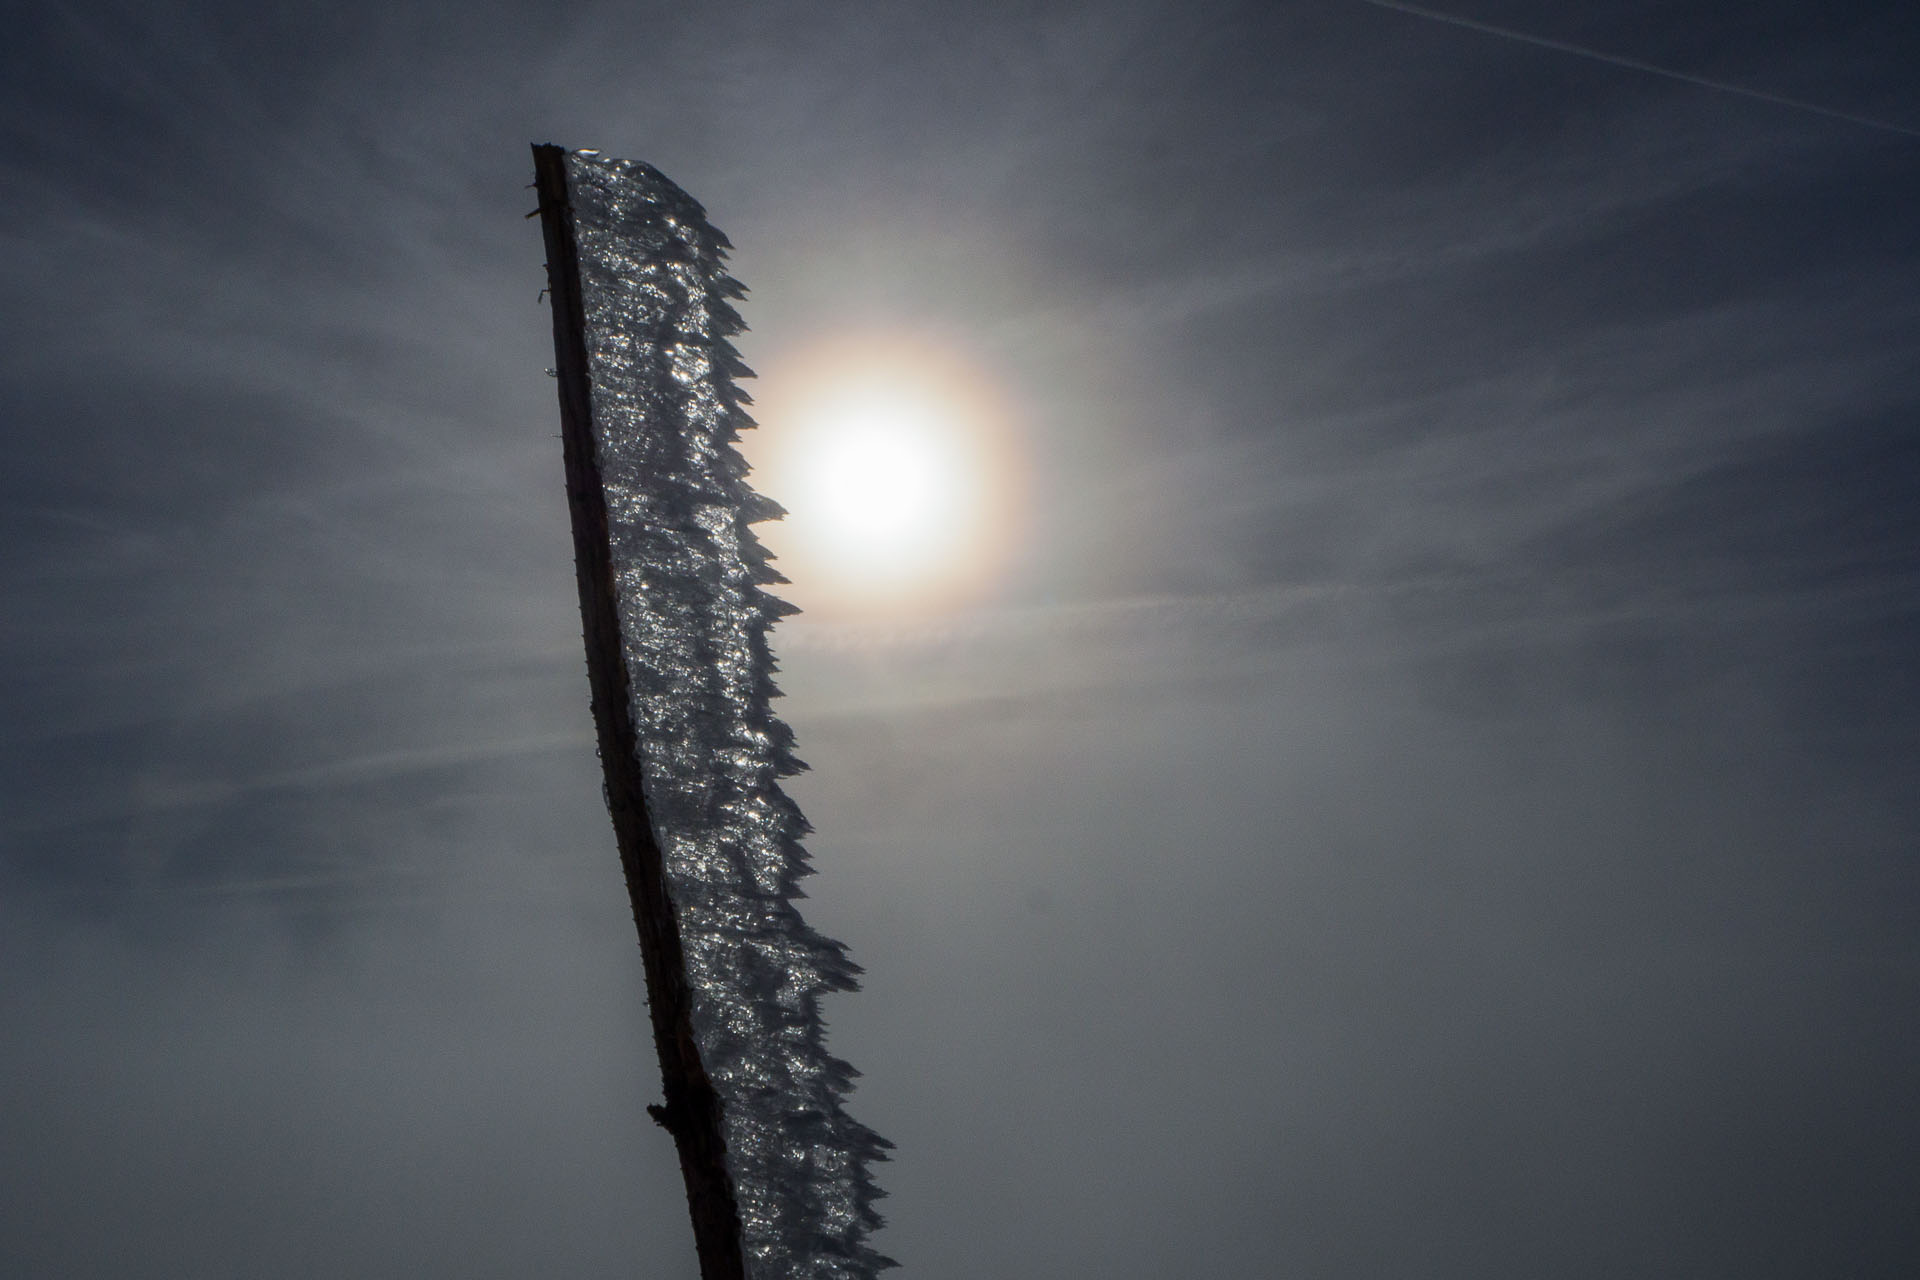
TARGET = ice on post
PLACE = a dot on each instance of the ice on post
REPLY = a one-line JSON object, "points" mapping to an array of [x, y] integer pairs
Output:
{"points": [[690, 585]]}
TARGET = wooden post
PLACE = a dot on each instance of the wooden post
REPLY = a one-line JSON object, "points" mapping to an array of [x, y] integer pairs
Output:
{"points": [[692, 1109]]}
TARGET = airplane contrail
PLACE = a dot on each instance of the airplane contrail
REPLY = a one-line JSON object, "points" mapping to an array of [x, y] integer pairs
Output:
{"points": [[1634, 64]]}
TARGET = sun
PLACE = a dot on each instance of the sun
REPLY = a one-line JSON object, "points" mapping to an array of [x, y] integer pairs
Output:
{"points": [[891, 459], [885, 481]]}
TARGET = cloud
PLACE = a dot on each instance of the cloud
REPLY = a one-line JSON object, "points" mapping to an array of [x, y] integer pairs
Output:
{"points": [[1440, 771]]}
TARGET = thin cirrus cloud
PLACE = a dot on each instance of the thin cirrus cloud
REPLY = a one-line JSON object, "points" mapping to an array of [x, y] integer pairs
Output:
{"points": [[1436, 768]]}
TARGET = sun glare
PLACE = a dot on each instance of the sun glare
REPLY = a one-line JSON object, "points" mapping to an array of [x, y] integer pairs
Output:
{"points": [[891, 459]]}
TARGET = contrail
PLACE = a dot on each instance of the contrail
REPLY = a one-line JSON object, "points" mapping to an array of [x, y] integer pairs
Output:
{"points": [[1634, 64]]}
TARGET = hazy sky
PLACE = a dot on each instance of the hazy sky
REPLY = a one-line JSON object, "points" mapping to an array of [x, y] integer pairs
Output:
{"points": [[1431, 794]]}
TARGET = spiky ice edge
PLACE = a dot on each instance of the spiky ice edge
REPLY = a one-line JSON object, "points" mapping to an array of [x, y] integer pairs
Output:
{"points": [[690, 577]]}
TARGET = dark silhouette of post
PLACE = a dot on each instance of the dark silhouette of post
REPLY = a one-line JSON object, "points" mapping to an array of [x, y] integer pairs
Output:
{"points": [[692, 1109]]}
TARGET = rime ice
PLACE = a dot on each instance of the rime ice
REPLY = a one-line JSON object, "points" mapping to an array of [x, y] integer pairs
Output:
{"points": [[690, 578]]}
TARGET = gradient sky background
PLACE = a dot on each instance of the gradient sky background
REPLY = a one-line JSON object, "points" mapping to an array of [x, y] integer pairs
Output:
{"points": [[1433, 796]]}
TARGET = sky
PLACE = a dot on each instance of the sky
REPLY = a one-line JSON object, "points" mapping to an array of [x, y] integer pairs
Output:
{"points": [[1424, 789]]}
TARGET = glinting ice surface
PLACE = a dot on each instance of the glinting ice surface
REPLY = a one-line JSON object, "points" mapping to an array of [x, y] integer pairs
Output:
{"points": [[690, 575]]}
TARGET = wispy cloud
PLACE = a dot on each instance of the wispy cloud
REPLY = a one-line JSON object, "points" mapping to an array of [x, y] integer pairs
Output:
{"points": [[1646, 68]]}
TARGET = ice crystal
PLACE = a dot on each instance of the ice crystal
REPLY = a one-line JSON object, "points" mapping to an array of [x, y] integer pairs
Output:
{"points": [[690, 577]]}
